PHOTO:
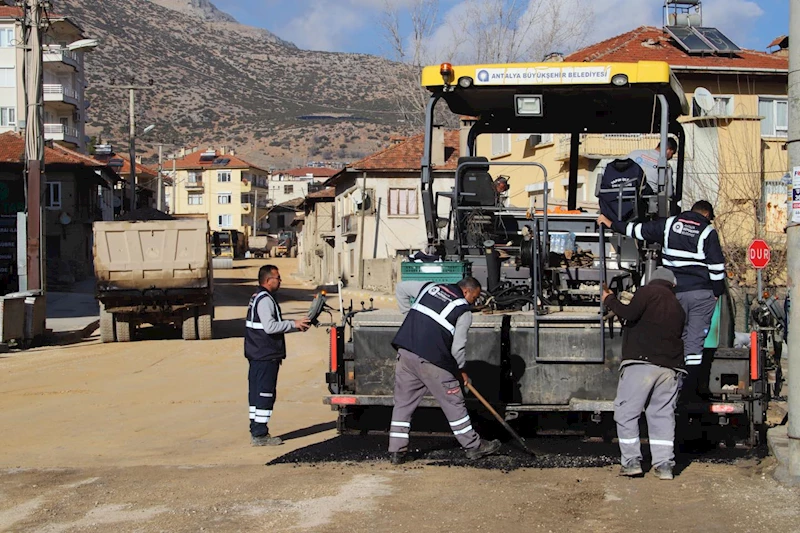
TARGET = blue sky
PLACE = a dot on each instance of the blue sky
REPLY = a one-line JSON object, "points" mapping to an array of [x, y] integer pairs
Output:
{"points": [[352, 25]]}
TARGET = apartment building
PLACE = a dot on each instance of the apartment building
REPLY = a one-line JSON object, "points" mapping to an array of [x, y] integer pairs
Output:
{"points": [[64, 81], [228, 190]]}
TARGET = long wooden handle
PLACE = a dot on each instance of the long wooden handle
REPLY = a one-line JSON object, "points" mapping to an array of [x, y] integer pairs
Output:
{"points": [[485, 403]]}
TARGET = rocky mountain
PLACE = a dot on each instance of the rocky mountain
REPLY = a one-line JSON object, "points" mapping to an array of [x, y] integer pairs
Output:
{"points": [[217, 82], [202, 9]]}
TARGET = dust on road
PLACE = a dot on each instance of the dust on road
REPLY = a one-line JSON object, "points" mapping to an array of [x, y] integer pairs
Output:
{"points": [[152, 436]]}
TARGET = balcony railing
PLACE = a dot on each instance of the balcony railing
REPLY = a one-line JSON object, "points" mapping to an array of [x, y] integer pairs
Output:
{"points": [[54, 92], [600, 145], [60, 55], [60, 132], [196, 183], [349, 225]]}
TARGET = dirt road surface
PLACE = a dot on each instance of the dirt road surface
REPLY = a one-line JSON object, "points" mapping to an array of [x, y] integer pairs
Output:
{"points": [[152, 436]]}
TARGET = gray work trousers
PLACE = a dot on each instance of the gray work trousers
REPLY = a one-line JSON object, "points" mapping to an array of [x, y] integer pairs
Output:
{"points": [[699, 308], [654, 389], [413, 378]]}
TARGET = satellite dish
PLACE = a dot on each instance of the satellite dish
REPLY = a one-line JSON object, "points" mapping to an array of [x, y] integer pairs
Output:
{"points": [[64, 219], [117, 201], [704, 99], [357, 196]]}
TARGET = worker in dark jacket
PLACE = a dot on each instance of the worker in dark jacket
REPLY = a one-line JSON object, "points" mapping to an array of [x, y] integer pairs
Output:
{"points": [[652, 361], [265, 350], [691, 250], [431, 351]]}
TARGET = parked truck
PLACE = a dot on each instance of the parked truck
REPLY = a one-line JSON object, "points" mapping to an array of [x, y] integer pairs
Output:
{"points": [[155, 272], [261, 245]]}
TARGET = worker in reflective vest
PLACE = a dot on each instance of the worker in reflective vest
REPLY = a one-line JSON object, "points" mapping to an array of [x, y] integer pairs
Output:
{"points": [[691, 249], [431, 352], [265, 350]]}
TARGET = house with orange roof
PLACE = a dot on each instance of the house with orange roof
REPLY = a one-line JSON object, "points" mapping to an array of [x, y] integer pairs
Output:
{"points": [[385, 188], [65, 104], [77, 193], [229, 191], [735, 144]]}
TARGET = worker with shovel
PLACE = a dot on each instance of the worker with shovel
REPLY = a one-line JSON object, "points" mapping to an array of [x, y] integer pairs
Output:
{"points": [[650, 374], [431, 352]]}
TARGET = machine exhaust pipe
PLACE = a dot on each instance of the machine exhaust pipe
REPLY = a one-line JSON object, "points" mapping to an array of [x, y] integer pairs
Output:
{"points": [[492, 267]]}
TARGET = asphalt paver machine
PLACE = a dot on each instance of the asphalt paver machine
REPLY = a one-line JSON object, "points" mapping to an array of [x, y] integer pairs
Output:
{"points": [[542, 348]]}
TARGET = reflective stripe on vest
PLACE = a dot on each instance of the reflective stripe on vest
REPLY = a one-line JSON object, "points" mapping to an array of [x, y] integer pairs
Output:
{"points": [[439, 317]]}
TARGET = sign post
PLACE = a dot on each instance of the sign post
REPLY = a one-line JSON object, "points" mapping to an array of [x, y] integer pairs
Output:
{"points": [[758, 254]]}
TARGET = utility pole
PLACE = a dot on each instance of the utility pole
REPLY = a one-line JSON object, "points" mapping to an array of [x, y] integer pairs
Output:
{"points": [[34, 143], [793, 241], [160, 195], [255, 206], [132, 134], [361, 232]]}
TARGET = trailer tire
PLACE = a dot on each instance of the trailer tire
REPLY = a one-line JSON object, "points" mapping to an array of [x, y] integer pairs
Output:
{"points": [[107, 325], [205, 323], [124, 330], [189, 329]]}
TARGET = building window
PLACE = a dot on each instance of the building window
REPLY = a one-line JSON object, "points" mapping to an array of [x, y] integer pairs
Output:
{"points": [[501, 144], [776, 117], [7, 77], [224, 176], [194, 177], [195, 199], [225, 221], [224, 198], [288, 189], [403, 202], [6, 37], [723, 107], [8, 116], [53, 195]]}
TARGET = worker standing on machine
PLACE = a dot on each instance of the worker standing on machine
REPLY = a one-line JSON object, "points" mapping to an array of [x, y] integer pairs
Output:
{"points": [[691, 250], [431, 351]]}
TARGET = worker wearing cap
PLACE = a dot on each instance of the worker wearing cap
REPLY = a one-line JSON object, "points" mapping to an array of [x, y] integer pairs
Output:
{"points": [[652, 362], [691, 250], [431, 351]]}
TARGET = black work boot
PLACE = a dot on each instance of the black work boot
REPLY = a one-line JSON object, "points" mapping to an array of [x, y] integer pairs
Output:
{"points": [[266, 440], [487, 447], [397, 458]]}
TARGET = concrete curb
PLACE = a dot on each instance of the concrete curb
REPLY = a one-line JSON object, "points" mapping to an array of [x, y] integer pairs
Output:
{"points": [[778, 442]]}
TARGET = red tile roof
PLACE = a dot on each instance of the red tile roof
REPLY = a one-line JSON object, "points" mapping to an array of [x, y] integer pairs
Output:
{"points": [[648, 43], [777, 41], [10, 11], [125, 169], [192, 161], [327, 192], [321, 172], [407, 155], [12, 150]]}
